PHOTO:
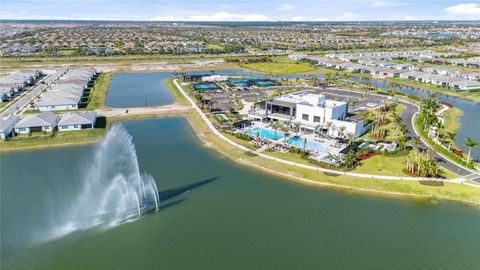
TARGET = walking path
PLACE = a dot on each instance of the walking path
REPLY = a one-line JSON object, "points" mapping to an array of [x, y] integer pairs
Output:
{"points": [[360, 175], [167, 109]]}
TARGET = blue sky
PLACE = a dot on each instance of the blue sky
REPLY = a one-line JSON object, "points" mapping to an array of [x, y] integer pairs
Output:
{"points": [[241, 10]]}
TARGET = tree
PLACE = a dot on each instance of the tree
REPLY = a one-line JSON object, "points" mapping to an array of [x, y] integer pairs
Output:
{"points": [[349, 159], [297, 126], [341, 131], [350, 137], [276, 126], [450, 136], [470, 143], [285, 129]]}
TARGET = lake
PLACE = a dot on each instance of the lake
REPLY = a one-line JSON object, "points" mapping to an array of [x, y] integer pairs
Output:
{"points": [[471, 110], [138, 90], [241, 219]]}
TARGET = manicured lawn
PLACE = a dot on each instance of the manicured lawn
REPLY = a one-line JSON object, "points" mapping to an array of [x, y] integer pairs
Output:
{"points": [[99, 92], [215, 47], [177, 96], [443, 191], [42, 140], [280, 65], [450, 117], [393, 129]]}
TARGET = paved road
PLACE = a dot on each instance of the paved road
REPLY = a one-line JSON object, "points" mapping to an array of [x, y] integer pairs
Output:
{"points": [[167, 109], [407, 116], [32, 93]]}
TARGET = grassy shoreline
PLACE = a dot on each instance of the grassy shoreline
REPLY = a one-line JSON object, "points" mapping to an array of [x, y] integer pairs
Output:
{"points": [[412, 189], [447, 191]]}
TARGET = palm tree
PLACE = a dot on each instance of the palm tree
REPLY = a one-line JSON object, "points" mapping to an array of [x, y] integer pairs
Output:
{"points": [[276, 126], [470, 143], [450, 136], [350, 137], [284, 129], [340, 131], [297, 126]]}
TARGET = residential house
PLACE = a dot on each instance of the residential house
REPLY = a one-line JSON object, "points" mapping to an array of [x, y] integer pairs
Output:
{"points": [[7, 122], [77, 121], [45, 121]]}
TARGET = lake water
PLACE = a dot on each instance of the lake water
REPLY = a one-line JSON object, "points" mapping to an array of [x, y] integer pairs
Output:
{"points": [[138, 90], [470, 124], [242, 220]]}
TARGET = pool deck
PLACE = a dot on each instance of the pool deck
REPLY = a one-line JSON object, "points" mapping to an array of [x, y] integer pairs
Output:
{"points": [[329, 147]]}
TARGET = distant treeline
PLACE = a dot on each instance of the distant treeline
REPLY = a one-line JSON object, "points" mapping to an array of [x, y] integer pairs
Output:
{"points": [[246, 60]]}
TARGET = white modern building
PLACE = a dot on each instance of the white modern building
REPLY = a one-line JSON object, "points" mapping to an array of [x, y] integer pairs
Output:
{"points": [[313, 111]]}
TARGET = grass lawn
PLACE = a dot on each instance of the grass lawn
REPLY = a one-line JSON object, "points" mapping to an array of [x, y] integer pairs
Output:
{"points": [[177, 96], [43, 140], [280, 65], [393, 129], [215, 47], [443, 191], [98, 93], [451, 117], [3, 104]]}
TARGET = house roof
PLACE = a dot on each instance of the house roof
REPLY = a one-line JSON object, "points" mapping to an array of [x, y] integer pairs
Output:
{"points": [[7, 121], [58, 100], [37, 120], [81, 118]]}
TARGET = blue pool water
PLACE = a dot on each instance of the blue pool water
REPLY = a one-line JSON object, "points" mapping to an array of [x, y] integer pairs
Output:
{"points": [[264, 133], [310, 145]]}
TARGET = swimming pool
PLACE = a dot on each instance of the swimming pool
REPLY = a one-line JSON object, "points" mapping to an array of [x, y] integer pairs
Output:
{"points": [[310, 145], [264, 133]]}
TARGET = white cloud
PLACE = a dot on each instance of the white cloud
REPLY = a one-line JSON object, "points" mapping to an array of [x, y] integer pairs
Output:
{"points": [[347, 16], [219, 16], [298, 18], [285, 7], [410, 18], [319, 19], [168, 18], [467, 11], [382, 4], [226, 16]]}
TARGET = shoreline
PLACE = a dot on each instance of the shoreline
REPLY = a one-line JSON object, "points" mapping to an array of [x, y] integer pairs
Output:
{"points": [[310, 182], [242, 160]]}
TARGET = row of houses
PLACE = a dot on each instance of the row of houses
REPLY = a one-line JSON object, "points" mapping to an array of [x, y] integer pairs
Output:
{"points": [[420, 56], [434, 75], [68, 92], [13, 83], [46, 122], [441, 80]]}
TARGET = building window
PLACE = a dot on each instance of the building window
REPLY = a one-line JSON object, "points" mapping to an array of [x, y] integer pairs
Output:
{"points": [[305, 117], [75, 126], [21, 129], [316, 119]]}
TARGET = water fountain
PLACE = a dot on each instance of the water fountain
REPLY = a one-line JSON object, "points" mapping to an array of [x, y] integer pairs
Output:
{"points": [[114, 191]]}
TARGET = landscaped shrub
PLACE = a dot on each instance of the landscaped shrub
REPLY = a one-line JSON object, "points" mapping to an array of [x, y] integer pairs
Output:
{"points": [[298, 150], [244, 136]]}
